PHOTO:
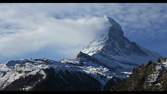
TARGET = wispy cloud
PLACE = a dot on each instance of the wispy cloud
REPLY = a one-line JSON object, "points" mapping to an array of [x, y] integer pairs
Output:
{"points": [[64, 36], [65, 29]]}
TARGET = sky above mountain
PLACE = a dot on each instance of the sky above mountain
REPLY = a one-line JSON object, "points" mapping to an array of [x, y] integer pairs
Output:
{"points": [[59, 31]]}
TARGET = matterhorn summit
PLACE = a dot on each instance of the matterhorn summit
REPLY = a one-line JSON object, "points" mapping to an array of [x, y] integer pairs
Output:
{"points": [[116, 52]]}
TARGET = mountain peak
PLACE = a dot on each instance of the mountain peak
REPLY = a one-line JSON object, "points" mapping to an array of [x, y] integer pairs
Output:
{"points": [[115, 30], [115, 50], [113, 41], [113, 22]]}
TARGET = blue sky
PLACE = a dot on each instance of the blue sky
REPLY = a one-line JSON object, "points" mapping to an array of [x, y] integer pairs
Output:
{"points": [[61, 30]]}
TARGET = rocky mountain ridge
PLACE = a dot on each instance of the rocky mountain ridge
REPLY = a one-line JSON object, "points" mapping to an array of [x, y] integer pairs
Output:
{"points": [[147, 77]]}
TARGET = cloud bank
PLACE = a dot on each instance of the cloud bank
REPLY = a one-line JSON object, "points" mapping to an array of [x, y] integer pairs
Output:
{"points": [[61, 30], [28, 35]]}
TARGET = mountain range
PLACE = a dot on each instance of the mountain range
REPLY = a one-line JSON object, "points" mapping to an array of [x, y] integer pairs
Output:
{"points": [[111, 57]]}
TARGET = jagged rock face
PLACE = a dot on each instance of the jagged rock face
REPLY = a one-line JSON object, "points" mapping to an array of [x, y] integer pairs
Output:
{"points": [[68, 81], [149, 77], [56, 81], [116, 52], [117, 44]]}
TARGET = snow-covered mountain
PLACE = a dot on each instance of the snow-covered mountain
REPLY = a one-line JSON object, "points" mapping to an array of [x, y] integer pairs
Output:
{"points": [[110, 55], [44, 74], [116, 52]]}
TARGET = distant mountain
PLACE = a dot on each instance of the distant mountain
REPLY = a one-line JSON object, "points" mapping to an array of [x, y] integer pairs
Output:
{"points": [[108, 59], [148, 77]]}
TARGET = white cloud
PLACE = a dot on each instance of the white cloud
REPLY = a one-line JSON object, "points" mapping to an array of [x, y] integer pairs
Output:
{"points": [[30, 28], [67, 35]]}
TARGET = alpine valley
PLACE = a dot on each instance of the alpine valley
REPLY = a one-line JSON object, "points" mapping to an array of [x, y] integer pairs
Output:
{"points": [[108, 63]]}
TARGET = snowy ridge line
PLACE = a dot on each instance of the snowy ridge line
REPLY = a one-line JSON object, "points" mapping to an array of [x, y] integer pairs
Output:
{"points": [[19, 71], [26, 69]]}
